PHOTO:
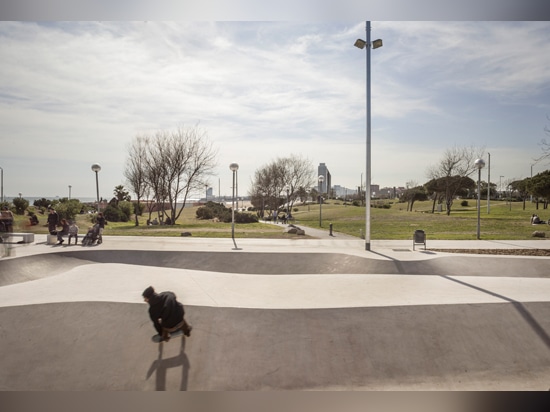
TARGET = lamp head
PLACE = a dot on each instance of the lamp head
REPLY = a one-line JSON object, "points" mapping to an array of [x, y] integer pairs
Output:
{"points": [[377, 43], [234, 167], [321, 178], [360, 43], [96, 168], [480, 163]]}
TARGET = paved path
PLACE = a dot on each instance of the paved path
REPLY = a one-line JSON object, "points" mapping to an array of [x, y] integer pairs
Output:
{"points": [[275, 314]]}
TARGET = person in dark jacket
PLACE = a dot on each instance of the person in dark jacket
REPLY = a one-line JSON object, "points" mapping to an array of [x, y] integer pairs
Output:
{"points": [[101, 221], [53, 221], [63, 232], [166, 313]]}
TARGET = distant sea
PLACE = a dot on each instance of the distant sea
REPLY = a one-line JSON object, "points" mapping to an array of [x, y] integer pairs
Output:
{"points": [[31, 199]]}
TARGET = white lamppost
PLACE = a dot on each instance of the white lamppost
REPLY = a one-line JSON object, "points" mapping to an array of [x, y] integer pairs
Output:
{"points": [[321, 180], [234, 167], [489, 183], [480, 164], [96, 168], [367, 44]]}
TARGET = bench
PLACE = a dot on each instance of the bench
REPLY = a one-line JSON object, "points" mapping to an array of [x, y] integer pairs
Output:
{"points": [[52, 239], [26, 237]]}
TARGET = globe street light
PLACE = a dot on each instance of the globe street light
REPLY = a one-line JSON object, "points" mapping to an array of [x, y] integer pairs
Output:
{"points": [[96, 168], [234, 167], [321, 180], [480, 164], [362, 44]]}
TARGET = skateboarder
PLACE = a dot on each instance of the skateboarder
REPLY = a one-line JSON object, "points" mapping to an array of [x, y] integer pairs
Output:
{"points": [[166, 313]]}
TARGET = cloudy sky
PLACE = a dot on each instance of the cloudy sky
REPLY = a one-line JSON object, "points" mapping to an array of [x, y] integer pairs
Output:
{"points": [[77, 93]]}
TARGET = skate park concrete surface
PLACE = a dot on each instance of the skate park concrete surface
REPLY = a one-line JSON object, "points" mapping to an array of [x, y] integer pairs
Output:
{"points": [[319, 313]]}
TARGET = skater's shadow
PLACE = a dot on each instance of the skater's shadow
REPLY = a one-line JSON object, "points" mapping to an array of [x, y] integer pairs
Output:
{"points": [[161, 366]]}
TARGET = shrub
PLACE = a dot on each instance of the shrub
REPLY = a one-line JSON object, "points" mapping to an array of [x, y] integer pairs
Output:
{"points": [[42, 203], [21, 205], [245, 218], [204, 213], [114, 214], [127, 208], [67, 209], [464, 203], [213, 210]]}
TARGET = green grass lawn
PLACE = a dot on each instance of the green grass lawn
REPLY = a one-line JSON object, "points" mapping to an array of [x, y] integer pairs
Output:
{"points": [[397, 223], [503, 222]]}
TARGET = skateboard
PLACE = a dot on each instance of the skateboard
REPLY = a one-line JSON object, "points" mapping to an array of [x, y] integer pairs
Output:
{"points": [[176, 334]]}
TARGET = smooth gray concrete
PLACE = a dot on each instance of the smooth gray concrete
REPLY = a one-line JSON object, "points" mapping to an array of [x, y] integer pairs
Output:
{"points": [[288, 314]]}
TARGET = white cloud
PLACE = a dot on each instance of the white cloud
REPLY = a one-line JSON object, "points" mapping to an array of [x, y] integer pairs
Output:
{"points": [[83, 90]]}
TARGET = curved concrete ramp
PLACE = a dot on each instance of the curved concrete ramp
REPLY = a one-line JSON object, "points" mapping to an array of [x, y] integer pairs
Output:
{"points": [[107, 346], [39, 266], [308, 318]]}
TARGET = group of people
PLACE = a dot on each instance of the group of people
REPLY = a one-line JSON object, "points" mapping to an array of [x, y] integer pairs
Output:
{"points": [[70, 229], [283, 218], [536, 220], [6, 220]]}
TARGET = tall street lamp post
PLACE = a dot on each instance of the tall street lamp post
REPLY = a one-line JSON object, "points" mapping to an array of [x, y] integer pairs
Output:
{"points": [[70, 192], [480, 164], [287, 189], [531, 198], [362, 44], [321, 180], [489, 183], [96, 168], [234, 167], [2, 183]]}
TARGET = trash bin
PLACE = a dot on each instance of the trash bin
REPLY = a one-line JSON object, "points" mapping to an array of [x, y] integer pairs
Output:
{"points": [[419, 237]]}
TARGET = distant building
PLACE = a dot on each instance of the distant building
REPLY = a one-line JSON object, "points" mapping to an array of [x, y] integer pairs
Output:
{"points": [[375, 190], [391, 192], [322, 170], [340, 191], [209, 194]]}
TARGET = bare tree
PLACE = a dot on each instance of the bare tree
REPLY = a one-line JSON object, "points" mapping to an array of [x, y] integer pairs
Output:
{"points": [[271, 181], [175, 164], [545, 146], [135, 170], [298, 174], [453, 171]]}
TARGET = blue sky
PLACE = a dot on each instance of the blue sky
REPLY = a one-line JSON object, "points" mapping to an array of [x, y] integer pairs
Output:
{"points": [[77, 93]]}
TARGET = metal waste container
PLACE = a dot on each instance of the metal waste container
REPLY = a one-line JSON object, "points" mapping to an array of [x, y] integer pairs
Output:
{"points": [[419, 237]]}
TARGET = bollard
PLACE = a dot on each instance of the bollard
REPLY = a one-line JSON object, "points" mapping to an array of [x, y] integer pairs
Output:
{"points": [[330, 229]]}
